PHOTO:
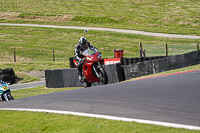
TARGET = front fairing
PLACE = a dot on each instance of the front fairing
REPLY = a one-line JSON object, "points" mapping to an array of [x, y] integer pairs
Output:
{"points": [[3, 87], [92, 55]]}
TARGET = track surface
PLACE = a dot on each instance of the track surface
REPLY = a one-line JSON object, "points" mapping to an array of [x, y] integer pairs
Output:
{"points": [[27, 85], [173, 98]]}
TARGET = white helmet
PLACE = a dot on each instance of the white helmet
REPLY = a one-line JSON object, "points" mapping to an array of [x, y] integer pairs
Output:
{"points": [[83, 42]]}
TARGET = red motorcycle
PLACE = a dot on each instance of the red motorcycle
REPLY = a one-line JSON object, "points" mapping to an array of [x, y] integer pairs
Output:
{"points": [[93, 71]]}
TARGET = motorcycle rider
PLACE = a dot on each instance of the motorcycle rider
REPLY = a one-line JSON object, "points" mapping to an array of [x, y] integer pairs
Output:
{"points": [[79, 49]]}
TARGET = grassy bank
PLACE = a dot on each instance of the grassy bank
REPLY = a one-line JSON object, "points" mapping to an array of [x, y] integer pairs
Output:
{"points": [[37, 44], [171, 16], [46, 122]]}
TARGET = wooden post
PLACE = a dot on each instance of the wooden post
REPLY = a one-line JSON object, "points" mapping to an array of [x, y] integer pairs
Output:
{"points": [[3, 52], [197, 47], [53, 56], [114, 52], [144, 54], [140, 49], [14, 55], [166, 50]]}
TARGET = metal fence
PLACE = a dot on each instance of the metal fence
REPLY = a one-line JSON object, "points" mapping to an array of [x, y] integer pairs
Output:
{"points": [[18, 54]]}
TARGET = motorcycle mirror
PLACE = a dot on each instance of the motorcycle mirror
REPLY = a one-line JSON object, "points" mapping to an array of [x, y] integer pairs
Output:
{"points": [[85, 31]]}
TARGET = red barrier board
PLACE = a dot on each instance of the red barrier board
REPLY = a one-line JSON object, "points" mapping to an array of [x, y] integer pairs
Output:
{"points": [[112, 61]]}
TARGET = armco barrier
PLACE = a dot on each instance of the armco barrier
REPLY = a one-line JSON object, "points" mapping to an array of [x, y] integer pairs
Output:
{"points": [[59, 78], [114, 72], [161, 64]]}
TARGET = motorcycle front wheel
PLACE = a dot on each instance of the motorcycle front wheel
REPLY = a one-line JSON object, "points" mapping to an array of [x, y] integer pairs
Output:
{"points": [[85, 83], [103, 78]]}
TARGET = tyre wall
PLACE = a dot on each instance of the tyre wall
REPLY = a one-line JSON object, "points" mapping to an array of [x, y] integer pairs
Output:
{"points": [[7, 75]]}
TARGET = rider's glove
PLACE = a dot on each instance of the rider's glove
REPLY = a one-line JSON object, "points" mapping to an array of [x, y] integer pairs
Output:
{"points": [[80, 60]]}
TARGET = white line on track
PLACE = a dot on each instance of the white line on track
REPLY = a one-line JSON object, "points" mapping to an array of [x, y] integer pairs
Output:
{"points": [[166, 124]]}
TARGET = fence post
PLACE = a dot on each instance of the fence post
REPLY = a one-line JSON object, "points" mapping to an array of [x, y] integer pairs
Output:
{"points": [[3, 52], [53, 56], [114, 52], [140, 49], [14, 55], [166, 50], [197, 47], [144, 54]]}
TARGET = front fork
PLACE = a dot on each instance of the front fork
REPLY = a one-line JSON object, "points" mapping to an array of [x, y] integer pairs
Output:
{"points": [[95, 67], [5, 96]]}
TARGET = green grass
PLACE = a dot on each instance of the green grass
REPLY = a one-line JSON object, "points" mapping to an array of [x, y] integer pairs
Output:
{"points": [[37, 44], [46, 122], [24, 78], [31, 65], [171, 16]]}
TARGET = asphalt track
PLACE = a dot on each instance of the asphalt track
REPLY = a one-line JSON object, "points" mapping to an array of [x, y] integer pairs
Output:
{"points": [[26, 85], [172, 99]]}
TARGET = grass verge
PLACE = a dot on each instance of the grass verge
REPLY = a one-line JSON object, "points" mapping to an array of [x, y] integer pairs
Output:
{"points": [[46, 122]]}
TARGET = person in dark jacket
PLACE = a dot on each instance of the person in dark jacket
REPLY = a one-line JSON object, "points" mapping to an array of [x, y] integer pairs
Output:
{"points": [[79, 49]]}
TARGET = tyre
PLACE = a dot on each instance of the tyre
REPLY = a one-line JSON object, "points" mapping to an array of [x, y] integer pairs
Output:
{"points": [[9, 96], [103, 79], [130, 61], [84, 82], [5, 97], [9, 79], [5, 77]]}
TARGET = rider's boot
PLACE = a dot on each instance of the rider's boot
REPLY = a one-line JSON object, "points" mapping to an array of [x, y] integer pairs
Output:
{"points": [[79, 75]]}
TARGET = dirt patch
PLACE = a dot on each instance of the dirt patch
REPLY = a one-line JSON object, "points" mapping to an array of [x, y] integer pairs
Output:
{"points": [[37, 74], [15, 15], [54, 18], [8, 15]]}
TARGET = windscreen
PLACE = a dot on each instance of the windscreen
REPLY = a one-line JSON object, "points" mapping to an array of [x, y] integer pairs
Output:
{"points": [[89, 51]]}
